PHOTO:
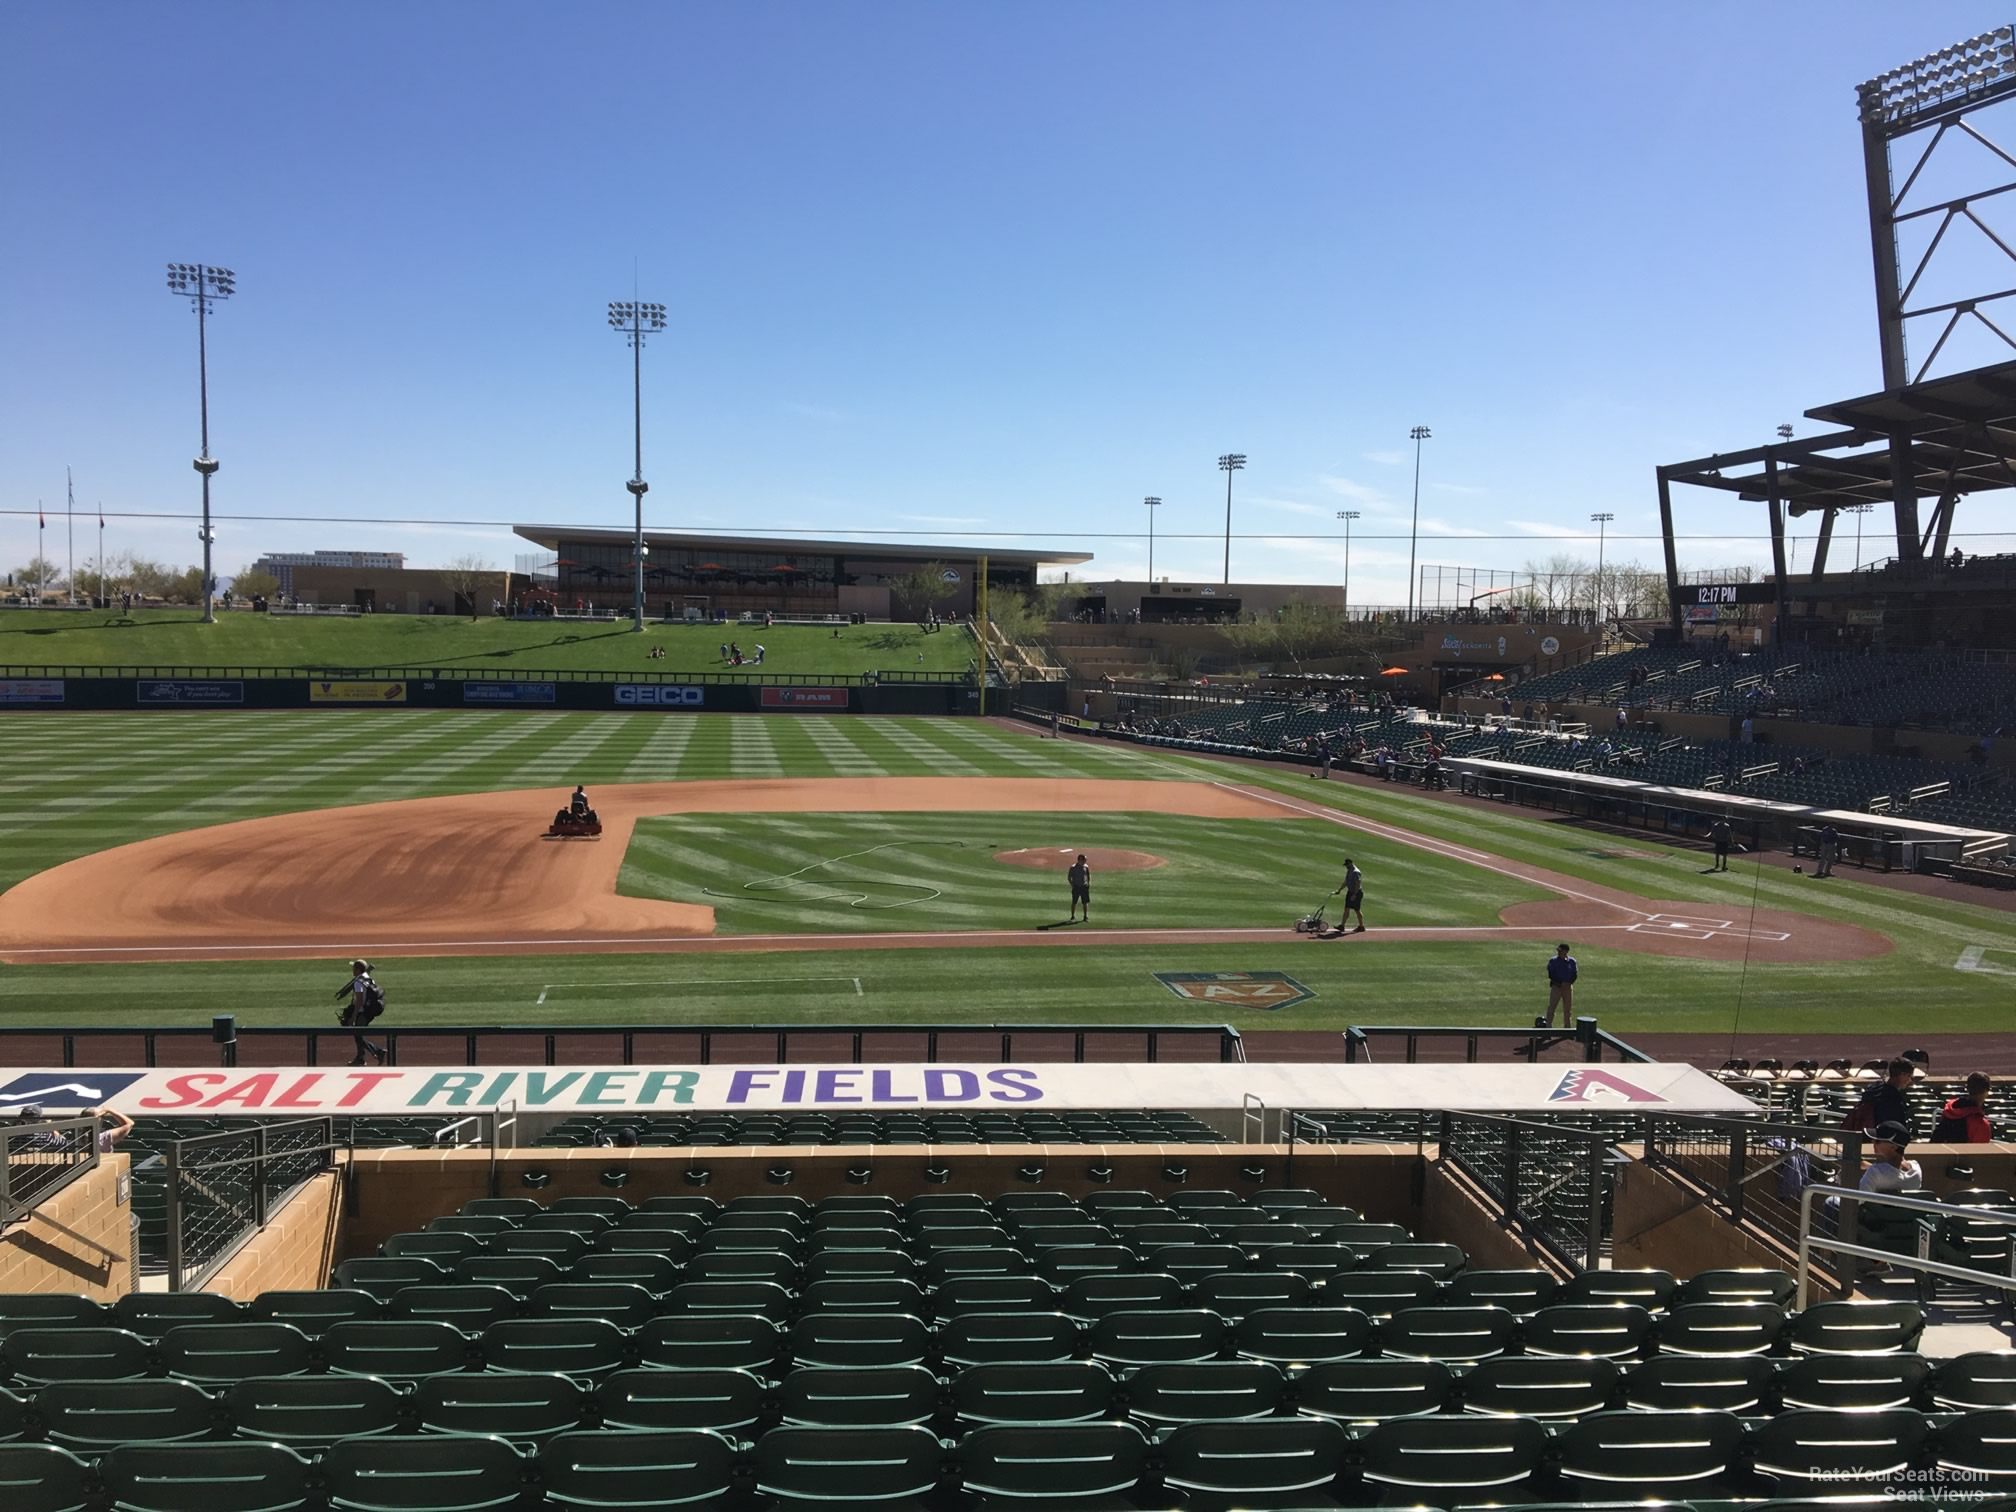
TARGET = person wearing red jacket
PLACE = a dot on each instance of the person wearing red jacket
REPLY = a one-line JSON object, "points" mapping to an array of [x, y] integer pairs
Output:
{"points": [[1964, 1120]]}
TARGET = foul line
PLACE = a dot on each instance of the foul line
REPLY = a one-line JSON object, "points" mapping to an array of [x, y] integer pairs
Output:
{"points": [[698, 982], [1479, 859]]}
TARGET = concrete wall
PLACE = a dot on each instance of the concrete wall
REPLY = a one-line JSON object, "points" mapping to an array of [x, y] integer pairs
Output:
{"points": [[1452, 1213], [397, 590], [1659, 1225], [399, 1190], [79, 1242], [295, 1251]]}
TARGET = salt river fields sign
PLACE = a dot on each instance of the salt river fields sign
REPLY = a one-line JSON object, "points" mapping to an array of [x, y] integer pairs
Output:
{"points": [[438, 1089]]}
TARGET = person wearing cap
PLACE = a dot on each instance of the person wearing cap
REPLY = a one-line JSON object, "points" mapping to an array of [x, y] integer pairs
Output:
{"points": [[357, 1013], [1080, 877], [1964, 1120], [1889, 1101], [1891, 1170], [1561, 974], [48, 1139]]}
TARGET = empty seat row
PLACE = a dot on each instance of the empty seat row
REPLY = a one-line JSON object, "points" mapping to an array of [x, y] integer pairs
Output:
{"points": [[1299, 1462], [417, 1345]]}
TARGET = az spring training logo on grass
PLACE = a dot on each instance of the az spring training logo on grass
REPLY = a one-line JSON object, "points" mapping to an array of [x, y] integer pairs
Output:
{"points": [[1268, 990], [1588, 1085]]}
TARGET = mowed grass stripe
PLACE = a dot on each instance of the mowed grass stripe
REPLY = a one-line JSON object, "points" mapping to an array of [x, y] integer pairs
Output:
{"points": [[851, 873]]}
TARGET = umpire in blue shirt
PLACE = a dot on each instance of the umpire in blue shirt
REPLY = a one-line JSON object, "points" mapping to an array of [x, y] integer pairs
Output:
{"points": [[1561, 975]]}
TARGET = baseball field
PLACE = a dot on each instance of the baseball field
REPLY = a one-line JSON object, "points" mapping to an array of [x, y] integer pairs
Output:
{"points": [[160, 867]]}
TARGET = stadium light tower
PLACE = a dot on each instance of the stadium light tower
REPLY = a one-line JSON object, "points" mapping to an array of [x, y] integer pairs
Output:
{"points": [[637, 321], [1231, 462], [1602, 520], [1153, 504], [1347, 516], [1417, 435], [199, 283]]}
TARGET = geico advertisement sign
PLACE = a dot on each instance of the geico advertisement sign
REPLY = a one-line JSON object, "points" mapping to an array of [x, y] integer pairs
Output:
{"points": [[659, 696]]}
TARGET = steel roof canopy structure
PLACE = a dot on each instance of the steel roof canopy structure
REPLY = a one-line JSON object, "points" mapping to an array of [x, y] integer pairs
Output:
{"points": [[1922, 436]]}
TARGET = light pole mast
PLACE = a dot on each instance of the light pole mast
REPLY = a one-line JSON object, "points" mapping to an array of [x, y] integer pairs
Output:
{"points": [[1347, 516], [1417, 435], [200, 283], [1231, 462], [1153, 505], [637, 321], [1602, 524]]}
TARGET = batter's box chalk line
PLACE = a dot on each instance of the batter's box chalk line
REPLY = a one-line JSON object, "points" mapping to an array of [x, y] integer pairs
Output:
{"points": [[1682, 927]]}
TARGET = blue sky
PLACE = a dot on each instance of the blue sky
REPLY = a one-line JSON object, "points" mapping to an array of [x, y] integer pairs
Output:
{"points": [[939, 267]]}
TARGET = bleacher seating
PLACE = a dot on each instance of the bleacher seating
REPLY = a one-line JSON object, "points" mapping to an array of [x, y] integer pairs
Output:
{"points": [[1126, 1126], [1207, 1350]]}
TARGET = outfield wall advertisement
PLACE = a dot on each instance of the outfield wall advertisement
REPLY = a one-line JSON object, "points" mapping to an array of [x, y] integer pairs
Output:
{"points": [[161, 691], [508, 693], [659, 696], [834, 699], [435, 1089], [31, 690], [357, 692]]}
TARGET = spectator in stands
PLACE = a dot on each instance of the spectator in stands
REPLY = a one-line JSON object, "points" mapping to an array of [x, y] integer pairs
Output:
{"points": [[1964, 1120], [48, 1139], [1888, 1103], [1891, 1170], [108, 1139], [1748, 730], [1623, 717]]}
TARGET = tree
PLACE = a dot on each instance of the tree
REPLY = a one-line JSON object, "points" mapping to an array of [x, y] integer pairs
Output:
{"points": [[39, 573], [925, 589], [184, 587], [1299, 630], [1558, 580], [147, 578], [466, 575], [250, 582], [101, 580]]}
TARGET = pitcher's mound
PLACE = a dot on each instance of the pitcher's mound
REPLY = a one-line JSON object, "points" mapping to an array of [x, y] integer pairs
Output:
{"points": [[1046, 858]]}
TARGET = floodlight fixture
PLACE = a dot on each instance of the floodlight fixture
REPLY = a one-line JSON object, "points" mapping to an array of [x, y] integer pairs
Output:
{"points": [[1417, 435], [1152, 504], [1963, 74], [1230, 463], [636, 320], [1602, 520], [202, 284], [1347, 516]]}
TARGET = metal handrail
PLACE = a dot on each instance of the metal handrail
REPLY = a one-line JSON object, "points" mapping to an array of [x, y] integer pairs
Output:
{"points": [[178, 1168], [1595, 1156], [73, 1157], [1585, 1032], [1808, 1242]]}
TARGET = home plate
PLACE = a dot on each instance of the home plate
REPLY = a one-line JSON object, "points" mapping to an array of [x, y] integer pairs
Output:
{"points": [[1687, 928]]}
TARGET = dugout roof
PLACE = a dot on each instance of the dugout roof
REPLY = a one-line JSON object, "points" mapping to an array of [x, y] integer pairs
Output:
{"points": [[551, 536]]}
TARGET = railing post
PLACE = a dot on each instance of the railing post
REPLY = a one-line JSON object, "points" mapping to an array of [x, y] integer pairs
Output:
{"points": [[1592, 1257], [1514, 1152], [1739, 1152], [259, 1174], [173, 1162]]}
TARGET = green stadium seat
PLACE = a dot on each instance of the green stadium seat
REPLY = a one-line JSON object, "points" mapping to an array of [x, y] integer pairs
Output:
{"points": [[384, 1278], [235, 1351], [997, 1294], [397, 1349], [563, 1247], [711, 1341], [1442, 1261], [1088, 1467], [1191, 1263], [1219, 1466], [524, 1407], [1380, 1294], [669, 1243], [949, 1265], [887, 1396], [1539, 1387], [586, 1347], [1297, 1336], [52, 1310], [1171, 1336], [1061, 1266], [1234, 1294], [612, 1208], [808, 1467], [1455, 1334], [314, 1312], [1289, 1200], [311, 1411], [1700, 1383], [657, 1274], [1452, 1461], [36, 1355], [1973, 1382], [1215, 1391], [1520, 1292], [1772, 1286], [43, 1478], [442, 1248], [1650, 1289], [485, 1226], [864, 1294], [1317, 1263], [652, 1401], [584, 1226], [623, 1303], [638, 1472], [14, 1419], [766, 1299], [1835, 1453], [1857, 1328], [1608, 1331], [1628, 1455], [152, 1314], [227, 1477], [1854, 1383], [425, 1473], [471, 1308], [1978, 1450], [1368, 1390], [521, 1275], [1721, 1328], [89, 1415], [833, 1265], [500, 1207], [852, 1340], [744, 1265], [1072, 1391], [1092, 1296]]}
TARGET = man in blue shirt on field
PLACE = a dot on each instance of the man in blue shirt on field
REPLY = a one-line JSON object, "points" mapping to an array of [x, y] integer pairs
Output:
{"points": [[1561, 975]]}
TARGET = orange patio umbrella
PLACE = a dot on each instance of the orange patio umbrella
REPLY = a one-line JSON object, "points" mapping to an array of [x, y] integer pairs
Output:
{"points": [[1394, 672]]}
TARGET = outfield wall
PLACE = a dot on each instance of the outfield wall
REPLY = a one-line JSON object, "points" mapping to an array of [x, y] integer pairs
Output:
{"points": [[660, 694]]}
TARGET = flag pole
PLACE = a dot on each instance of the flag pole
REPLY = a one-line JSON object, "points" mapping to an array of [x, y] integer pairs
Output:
{"points": [[70, 527]]}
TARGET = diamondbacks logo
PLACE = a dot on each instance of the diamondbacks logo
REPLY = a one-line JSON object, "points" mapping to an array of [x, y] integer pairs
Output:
{"points": [[1587, 1084], [1268, 990], [68, 1089]]}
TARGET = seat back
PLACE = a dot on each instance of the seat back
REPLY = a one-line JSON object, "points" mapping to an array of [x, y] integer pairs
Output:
{"points": [[1699, 1383], [308, 1411], [1449, 1333], [1169, 1336], [1649, 1449], [1065, 1392], [1462, 1458], [229, 1477], [520, 1406], [1302, 1335], [1062, 1464], [43, 1478], [35, 1355], [1270, 1458], [235, 1351], [1858, 1328], [99, 1414], [1214, 1391], [1365, 1391], [611, 1472], [1540, 1387], [438, 1473], [801, 1466], [883, 1396]]}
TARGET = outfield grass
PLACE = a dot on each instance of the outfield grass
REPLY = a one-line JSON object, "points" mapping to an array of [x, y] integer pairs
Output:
{"points": [[75, 783], [178, 638], [858, 873]]}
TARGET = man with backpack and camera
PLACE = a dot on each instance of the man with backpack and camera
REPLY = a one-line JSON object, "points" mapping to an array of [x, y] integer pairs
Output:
{"points": [[367, 1001]]}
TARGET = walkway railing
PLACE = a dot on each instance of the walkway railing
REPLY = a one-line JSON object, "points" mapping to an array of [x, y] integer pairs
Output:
{"points": [[1549, 1181], [1595, 1043], [1850, 1199], [228, 1044], [222, 1188], [38, 1160], [1750, 1170]]}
